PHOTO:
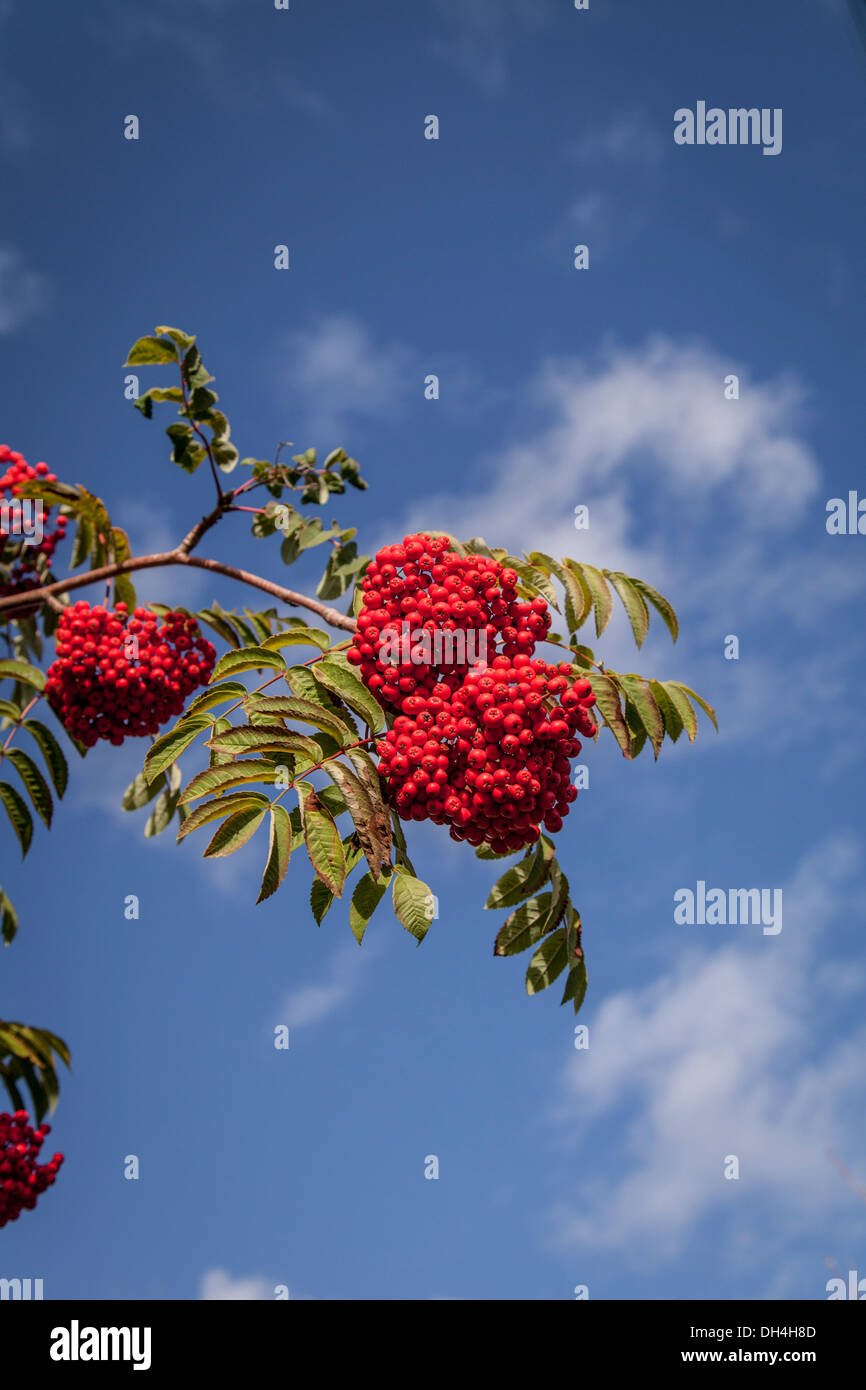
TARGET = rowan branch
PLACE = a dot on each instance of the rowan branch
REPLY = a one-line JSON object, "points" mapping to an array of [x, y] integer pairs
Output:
{"points": [[180, 556]]}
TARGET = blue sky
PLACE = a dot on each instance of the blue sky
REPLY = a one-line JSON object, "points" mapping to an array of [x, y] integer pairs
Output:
{"points": [[601, 1167]]}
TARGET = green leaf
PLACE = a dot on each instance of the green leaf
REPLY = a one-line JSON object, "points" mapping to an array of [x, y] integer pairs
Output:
{"points": [[638, 691], [183, 340], [157, 394], [602, 599], [151, 352], [140, 792], [321, 899], [633, 602], [22, 671], [548, 962], [83, 543], [260, 738], [413, 903], [298, 637], [246, 659], [707, 709], [219, 808], [575, 986], [235, 831], [533, 579], [168, 747], [308, 712], [51, 751], [218, 779], [161, 815], [322, 839], [670, 714], [368, 812], [279, 852], [578, 602], [661, 605], [215, 695], [365, 899], [340, 680], [37, 787], [524, 879], [8, 918], [527, 924], [608, 701], [217, 623], [680, 702]]}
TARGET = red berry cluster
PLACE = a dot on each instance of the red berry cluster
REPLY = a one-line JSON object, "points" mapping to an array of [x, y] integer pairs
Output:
{"points": [[23, 557], [22, 1179], [483, 748], [424, 585], [120, 677]]}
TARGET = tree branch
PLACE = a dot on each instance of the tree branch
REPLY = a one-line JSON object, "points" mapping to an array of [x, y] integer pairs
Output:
{"points": [[181, 556]]}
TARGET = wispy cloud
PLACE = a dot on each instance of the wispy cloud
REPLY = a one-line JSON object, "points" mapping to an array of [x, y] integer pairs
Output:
{"points": [[335, 373], [217, 1285], [314, 1002], [23, 292], [628, 139], [477, 36]]}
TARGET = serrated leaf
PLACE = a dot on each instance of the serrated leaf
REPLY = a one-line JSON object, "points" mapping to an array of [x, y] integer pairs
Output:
{"points": [[220, 808], [602, 599], [10, 669], [413, 903], [298, 637], [279, 852], [246, 659], [235, 831], [322, 839], [151, 352], [608, 703], [670, 714], [641, 696], [307, 712], [533, 579], [162, 813], [368, 812], [35, 783], [8, 918], [575, 986], [365, 899], [140, 792], [681, 704], [321, 899], [661, 605], [183, 340], [526, 925], [261, 738], [168, 747], [217, 623], [340, 680], [51, 751], [707, 709], [524, 879], [217, 779], [548, 962], [83, 543], [633, 602], [215, 695]]}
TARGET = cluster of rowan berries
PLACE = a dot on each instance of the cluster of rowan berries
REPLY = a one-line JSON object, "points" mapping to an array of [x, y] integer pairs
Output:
{"points": [[23, 558], [483, 747], [118, 676], [22, 1179]]}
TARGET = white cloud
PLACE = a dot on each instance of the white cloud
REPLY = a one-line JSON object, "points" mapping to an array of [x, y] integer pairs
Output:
{"points": [[481, 33], [335, 373], [314, 1002], [217, 1285], [23, 292], [723, 1054], [625, 140]]}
